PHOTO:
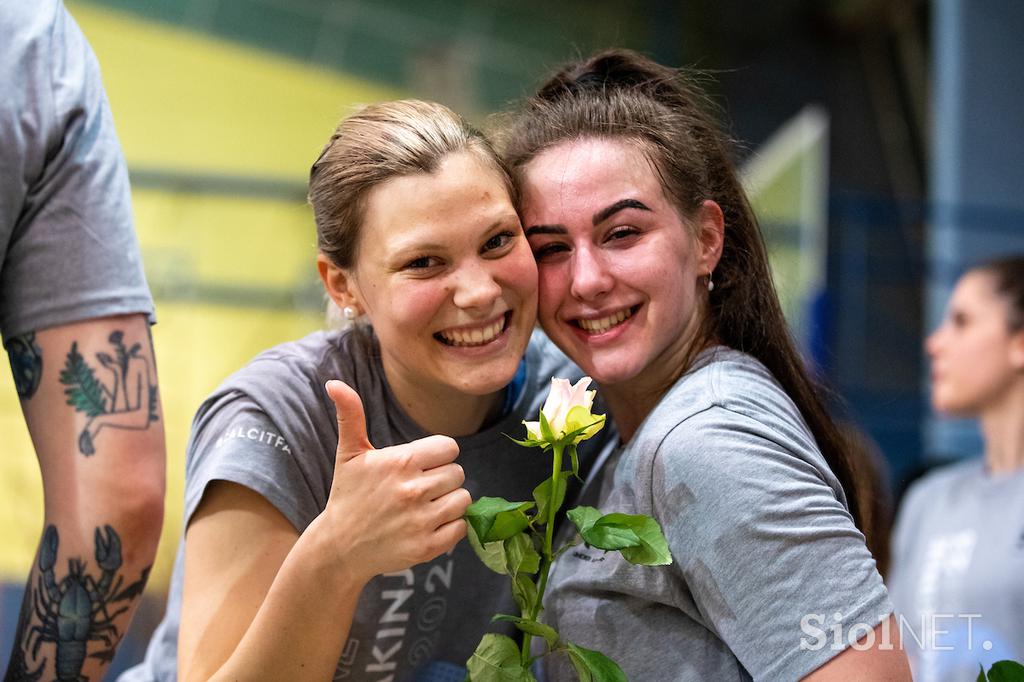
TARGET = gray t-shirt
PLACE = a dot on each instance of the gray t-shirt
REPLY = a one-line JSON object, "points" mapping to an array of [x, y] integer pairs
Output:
{"points": [[272, 428], [758, 527], [67, 246], [958, 571]]}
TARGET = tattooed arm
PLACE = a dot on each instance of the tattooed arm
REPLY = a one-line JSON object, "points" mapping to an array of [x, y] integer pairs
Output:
{"points": [[89, 395]]}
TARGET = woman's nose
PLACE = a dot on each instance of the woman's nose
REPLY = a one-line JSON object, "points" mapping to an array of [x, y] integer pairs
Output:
{"points": [[932, 342], [475, 287], [590, 276]]}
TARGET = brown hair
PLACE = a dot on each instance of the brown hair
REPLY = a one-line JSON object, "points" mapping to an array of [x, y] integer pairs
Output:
{"points": [[1008, 273], [623, 95], [377, 143]]}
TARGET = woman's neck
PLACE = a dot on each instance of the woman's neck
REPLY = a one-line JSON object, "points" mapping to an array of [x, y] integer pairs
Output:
{"points": [[631, 401], [443, 410], [1002, 425], [629, 408]]}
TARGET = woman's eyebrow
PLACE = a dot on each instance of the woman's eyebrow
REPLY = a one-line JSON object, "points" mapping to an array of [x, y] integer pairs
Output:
{"points": [[599, 217], [545, 229], [620, 205]]}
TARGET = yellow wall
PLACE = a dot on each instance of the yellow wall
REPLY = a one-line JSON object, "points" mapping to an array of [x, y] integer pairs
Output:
{"points": [[184, 102]]}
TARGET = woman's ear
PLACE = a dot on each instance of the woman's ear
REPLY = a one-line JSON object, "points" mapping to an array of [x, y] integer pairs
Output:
{"points": [[340, 285], [711, 236], [1017, 351]]}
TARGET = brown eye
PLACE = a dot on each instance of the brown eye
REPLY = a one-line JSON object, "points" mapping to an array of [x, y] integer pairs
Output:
{"points": [[549, 249], [622, 233], [420, 263], [497, 241]]}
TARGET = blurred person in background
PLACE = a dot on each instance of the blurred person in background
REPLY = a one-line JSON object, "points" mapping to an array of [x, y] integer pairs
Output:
{"points": [[75, 314], [654, 279], [958, 548], [309, 554]]}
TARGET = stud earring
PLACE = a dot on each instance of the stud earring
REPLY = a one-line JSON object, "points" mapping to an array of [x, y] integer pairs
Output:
{"points": [[349, 313]]}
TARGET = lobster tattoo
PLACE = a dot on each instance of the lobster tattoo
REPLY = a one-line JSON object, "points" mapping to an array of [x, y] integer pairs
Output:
{"points": [[78, 609]]}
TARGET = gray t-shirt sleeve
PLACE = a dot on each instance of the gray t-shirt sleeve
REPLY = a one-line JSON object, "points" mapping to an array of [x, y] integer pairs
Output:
{"points": [[70, 252], [762, 541], [234, 440]]}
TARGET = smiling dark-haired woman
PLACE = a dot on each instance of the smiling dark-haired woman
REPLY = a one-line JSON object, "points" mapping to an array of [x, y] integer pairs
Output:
{"points": [[654, 279]]}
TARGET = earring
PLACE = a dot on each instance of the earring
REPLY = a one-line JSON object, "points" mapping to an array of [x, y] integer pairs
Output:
{"points": [[711, 285], [349, 313]]}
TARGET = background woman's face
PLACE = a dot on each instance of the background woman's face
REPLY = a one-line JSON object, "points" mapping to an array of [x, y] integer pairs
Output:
{"points": [[446, 278], [618, 267], [972, 352]]}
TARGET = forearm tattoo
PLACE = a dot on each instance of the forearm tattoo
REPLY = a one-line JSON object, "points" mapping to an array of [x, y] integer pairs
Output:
{"points": [[26, 363], [124, 398], [64, 616]]}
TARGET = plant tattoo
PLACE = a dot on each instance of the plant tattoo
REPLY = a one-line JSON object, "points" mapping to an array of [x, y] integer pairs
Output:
{"points": [[74, 610], [128, 402], [26, 363]]}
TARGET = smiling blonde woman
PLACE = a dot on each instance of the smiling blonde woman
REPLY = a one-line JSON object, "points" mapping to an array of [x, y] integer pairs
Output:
{"points": [[309, 554]]}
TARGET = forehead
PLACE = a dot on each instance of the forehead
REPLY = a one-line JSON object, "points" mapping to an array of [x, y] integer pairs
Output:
{"points": [[977, 291], [465, 193], [590, 171]]}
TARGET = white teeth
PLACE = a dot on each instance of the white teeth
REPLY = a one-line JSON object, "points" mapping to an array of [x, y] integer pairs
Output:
{"points": [[605, 323], [475, 337]]}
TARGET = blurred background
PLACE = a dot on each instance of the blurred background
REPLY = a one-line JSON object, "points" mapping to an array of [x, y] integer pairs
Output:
{"points": [[879, 139]]}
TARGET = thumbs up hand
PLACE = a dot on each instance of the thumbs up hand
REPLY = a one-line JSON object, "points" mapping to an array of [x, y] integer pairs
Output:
{"points": [[394, 507]]}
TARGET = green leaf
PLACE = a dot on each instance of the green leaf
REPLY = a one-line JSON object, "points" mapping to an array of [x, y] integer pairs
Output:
{"points": [[593, 666], [528, 442], [1006, 671], [495, 518], [492, 554], [497, 659], [542, 495], [545, 429], [524, 591], [575, 459], [532, 627], [638, 537], [520, 555], [588, 522], [83, 391], [610, 537], [653, 549], [584, 518]]}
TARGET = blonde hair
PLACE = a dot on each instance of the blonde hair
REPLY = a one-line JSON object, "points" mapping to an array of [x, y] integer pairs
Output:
{"points": [[380, 142]]}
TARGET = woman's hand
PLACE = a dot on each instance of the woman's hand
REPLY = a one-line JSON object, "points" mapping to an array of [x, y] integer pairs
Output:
{"points": [[263, 602], [389, 508]]}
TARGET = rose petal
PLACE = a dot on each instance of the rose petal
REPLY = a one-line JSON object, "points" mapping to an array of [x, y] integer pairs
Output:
{"points": [[557, 405]]}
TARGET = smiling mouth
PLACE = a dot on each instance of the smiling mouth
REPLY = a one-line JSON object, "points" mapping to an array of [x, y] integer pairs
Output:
{"points": [[480, 336], [603, 324]]}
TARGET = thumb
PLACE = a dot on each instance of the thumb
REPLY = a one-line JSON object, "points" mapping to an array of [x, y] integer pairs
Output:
{"points": [[352, 440]]}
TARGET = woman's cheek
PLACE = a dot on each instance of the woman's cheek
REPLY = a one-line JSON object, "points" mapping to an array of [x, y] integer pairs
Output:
{"points": [[417, 303], [552, 289], [518, 271]]}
